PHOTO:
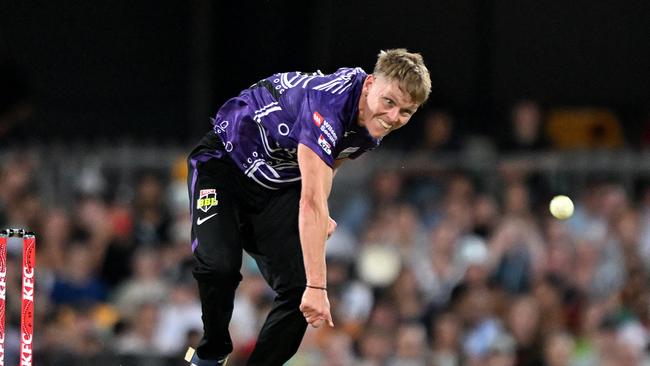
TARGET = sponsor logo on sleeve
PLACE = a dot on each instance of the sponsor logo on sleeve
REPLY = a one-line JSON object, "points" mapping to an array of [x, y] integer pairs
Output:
{"points": [[325, 127], [318, 119], [325, 145]]}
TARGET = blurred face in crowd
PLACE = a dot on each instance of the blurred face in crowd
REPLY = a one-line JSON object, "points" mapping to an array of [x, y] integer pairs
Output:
{"points": [[628, 227], [477, 305], [517, 200], [383, 106], [558, 349], [485, 212], [501, 359], [547, 295], [526, 119], [618, 353], [384, 316], [524, 319], [406, 220], [446, 330], [438, 127], [150, 191], [57, 226], [460, 187], [377, 345], [387, 185], [444, 237], [614, 200], [411, 341], [338, 350], [79, 266]]}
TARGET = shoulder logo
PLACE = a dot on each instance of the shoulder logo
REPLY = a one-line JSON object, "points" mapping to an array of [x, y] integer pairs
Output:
{"points": [[318, 119], [207, 199], [324, 145]]}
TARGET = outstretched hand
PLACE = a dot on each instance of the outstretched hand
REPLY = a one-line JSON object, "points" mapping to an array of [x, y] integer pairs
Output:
{"points": [[315, 307]]}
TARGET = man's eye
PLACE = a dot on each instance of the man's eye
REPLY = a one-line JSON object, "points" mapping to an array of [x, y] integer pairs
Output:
{"points": [[388, 101]]}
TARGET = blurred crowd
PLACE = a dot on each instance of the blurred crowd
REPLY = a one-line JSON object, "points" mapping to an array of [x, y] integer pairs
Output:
{"points": [[433, 268], [489, 279], [113, 273]]}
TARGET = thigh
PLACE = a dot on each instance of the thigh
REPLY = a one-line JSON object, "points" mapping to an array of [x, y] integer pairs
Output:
{"points": [[275, 243], [216, 236]]}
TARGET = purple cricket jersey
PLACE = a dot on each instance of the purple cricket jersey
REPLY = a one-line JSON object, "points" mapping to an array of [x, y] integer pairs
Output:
{"points": [[262, 127]]}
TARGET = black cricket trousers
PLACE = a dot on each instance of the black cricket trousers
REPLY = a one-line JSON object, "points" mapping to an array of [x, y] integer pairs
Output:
{"points": [[231, 213]]}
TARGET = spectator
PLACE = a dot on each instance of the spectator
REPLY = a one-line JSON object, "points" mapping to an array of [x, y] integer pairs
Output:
{"points": [[474, 269], [526, 127], [446, 340], [517, 251], [478, 313], [502, 351], [146, 285], [178, 316], [411, 346], [438, 272], [524, 324], [385, 190], [377, 346], [77, 284], [139, 337], [152, 220], [558, 349], [351, 299], [439, 135]]}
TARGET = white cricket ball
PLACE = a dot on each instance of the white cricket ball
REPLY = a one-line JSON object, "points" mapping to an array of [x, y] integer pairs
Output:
{"points": [[378, 265], [561, 207]]}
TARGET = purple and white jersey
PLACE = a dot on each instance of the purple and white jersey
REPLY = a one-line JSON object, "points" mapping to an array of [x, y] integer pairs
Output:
{"points": [[262, 127]]}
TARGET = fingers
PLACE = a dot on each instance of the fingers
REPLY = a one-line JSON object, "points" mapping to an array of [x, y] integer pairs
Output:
{"points": [[316, 323], [330, 322], [313, 319], [331, 227], [315, 308], [317, 319], [332, 223]]}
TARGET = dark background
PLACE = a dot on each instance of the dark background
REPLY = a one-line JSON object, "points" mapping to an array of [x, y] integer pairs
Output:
{"points": [[157, 70]]}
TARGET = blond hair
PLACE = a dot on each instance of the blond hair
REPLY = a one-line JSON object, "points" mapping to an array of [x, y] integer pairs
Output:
{"points": [[409, 71]]}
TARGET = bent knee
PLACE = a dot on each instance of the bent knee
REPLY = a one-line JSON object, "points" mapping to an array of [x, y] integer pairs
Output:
{"points": [[292, 296], [223, 275]]}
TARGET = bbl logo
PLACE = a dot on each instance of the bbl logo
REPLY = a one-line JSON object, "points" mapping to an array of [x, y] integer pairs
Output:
{"points": [[207, 199]]}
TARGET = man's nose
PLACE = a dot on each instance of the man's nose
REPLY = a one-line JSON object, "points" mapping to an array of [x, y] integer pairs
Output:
{"points": [[393, 114]]}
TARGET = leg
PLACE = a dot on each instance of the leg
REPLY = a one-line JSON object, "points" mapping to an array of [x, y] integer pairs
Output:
{"points": [[279, 256], [282, 332], [216, 243]]}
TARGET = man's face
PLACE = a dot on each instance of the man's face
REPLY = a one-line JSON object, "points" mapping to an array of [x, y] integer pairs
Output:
{"points": [[383, 106]]}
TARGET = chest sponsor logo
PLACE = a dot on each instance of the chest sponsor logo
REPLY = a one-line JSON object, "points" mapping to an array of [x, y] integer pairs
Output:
{"points": [[324, 145], [207, 199], [347, 152]]}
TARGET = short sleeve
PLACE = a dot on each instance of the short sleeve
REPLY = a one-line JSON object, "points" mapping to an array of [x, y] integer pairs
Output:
{"points": [[320, 129]]}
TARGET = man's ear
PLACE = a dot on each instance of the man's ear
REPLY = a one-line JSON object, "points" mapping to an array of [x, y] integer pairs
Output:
{"points": [[368, 82]]}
